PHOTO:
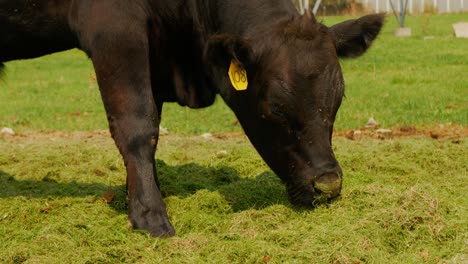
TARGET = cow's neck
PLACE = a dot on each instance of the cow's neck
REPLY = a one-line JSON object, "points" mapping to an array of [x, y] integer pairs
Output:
{"points": [[252, 18], [188, 24], [245, 18]]}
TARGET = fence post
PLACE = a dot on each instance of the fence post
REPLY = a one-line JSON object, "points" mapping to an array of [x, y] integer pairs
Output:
{"points": [[448, 6], [377, 6], [422, 6], [301, 7], [316, 7]]}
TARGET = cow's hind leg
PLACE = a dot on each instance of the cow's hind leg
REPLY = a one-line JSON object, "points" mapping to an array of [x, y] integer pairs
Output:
{"points": [[121, 61]]}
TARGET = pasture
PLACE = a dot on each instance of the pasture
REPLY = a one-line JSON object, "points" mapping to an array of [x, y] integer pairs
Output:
{"points": [[62, 195]]}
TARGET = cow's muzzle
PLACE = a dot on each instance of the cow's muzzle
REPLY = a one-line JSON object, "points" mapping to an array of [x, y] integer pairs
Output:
{"points": [[317, 190]]}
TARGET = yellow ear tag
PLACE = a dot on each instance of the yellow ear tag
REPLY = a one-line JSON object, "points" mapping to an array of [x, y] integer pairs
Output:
{"points": [[238, 76]]}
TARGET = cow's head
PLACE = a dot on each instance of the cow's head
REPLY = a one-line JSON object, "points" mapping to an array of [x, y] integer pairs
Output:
{"points": [[295, 87]]}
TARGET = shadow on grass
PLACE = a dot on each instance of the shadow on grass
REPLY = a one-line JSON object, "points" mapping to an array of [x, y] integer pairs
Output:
{"points": [[182, 181], [242, 193], [46, 187]]}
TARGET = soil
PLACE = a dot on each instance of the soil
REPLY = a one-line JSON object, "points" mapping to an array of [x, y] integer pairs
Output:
{"points": [[440, 131], [453, 132]]}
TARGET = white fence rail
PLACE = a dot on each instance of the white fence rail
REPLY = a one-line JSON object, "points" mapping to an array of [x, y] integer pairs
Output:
{"points": [[418, 6]]}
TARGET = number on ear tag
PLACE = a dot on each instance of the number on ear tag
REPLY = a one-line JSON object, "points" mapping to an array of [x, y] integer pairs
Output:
{"points": [[238, 76]]}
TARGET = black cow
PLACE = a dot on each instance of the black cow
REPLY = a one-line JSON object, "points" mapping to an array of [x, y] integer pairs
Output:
{"points": [[277, 70]]}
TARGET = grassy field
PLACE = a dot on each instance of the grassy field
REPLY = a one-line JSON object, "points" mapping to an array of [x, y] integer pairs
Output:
{"points": [[403, 201]]}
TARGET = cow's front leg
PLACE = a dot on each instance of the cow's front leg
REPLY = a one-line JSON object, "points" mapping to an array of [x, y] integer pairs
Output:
{"points": [[122, 67]]}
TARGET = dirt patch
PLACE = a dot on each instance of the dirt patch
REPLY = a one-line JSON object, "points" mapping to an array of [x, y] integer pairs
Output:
{"points": [[228, 135], [440, 131]]}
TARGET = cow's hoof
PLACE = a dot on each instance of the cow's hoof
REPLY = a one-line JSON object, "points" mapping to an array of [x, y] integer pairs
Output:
{"points": [[156, 225], [163, 232]]}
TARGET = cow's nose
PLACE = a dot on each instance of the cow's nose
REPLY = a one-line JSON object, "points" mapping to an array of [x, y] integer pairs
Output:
{"points": [[316, 189], [329, 184]]}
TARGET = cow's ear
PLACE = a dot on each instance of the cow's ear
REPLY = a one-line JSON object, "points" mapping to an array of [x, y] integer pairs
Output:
{"points": [[352, 38], [221, 49]]}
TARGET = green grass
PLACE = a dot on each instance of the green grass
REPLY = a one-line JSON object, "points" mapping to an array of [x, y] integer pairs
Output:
{"points": [[403, 200], [400, 81], [409, 81]]}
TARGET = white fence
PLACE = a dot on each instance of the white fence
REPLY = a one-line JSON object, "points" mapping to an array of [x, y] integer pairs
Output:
{"points": [[418, 6]]}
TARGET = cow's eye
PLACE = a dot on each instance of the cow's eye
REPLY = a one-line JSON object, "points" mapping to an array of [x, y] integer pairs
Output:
{"points": [[274, 112], [278, 111], [276, 105]]}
